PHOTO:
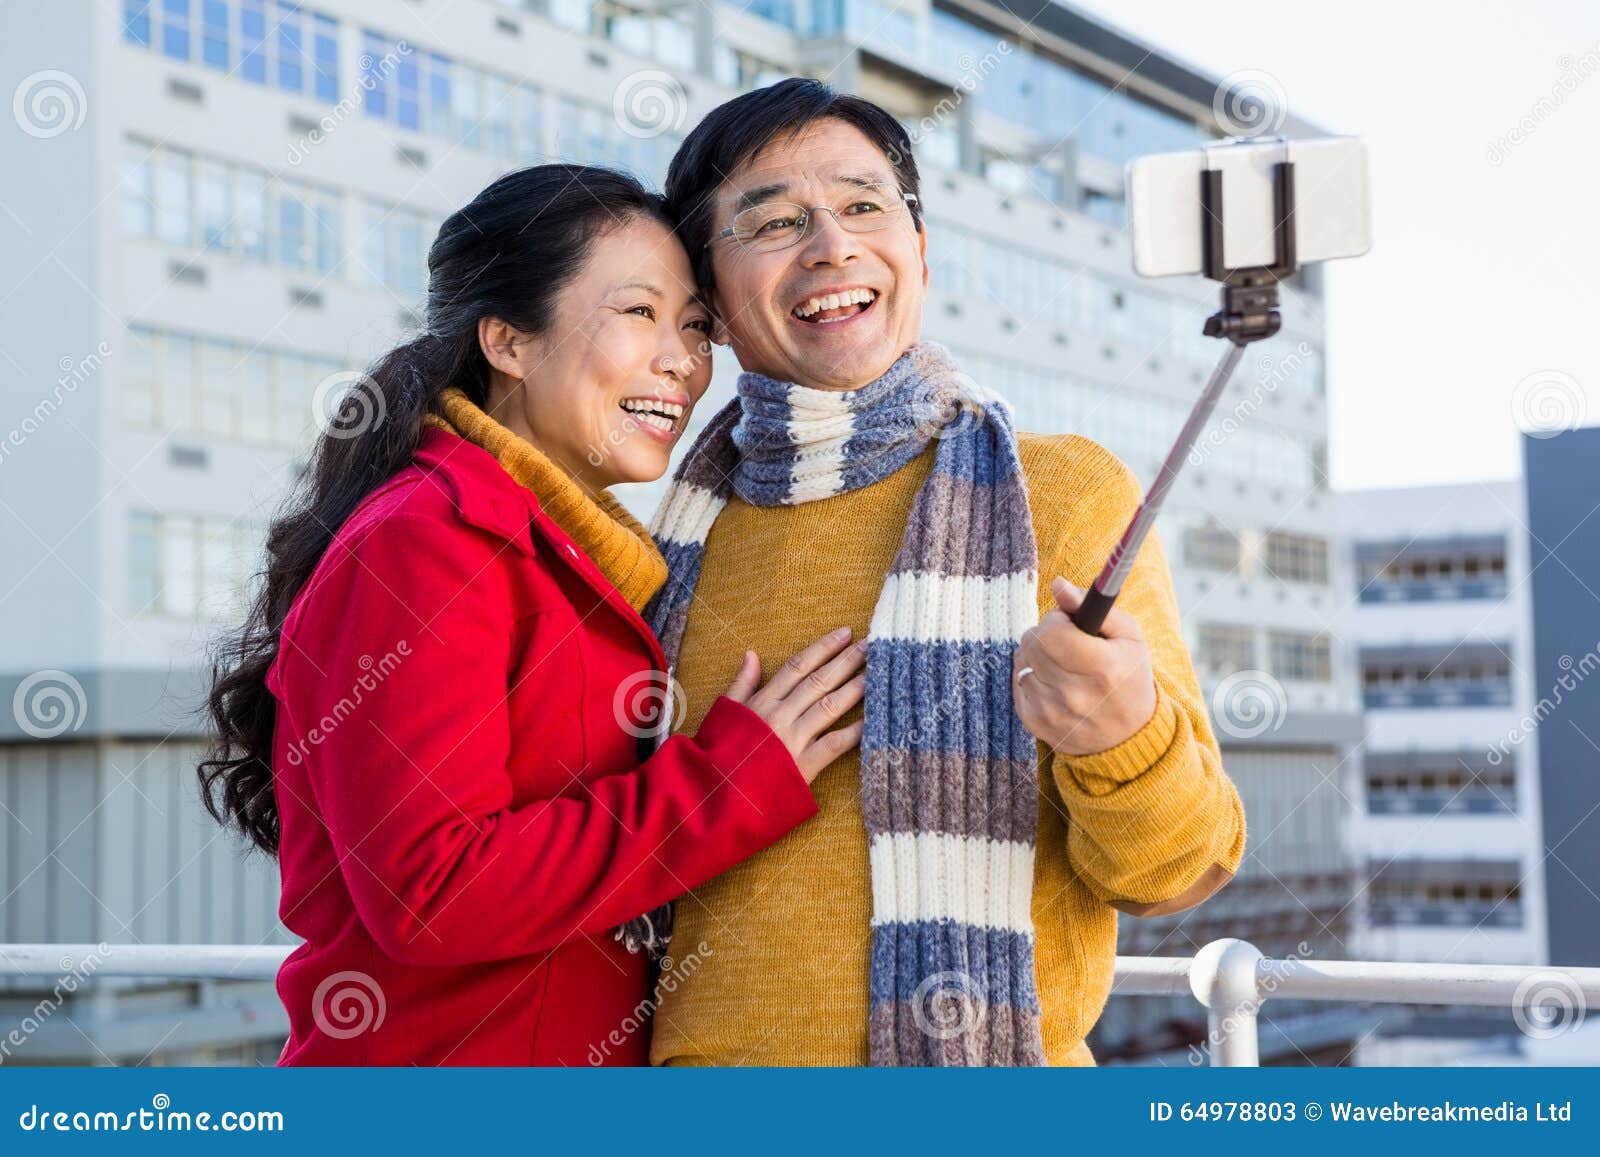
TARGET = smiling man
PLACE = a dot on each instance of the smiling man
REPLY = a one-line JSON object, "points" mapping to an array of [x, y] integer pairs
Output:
{"points": [[1019, 782]]}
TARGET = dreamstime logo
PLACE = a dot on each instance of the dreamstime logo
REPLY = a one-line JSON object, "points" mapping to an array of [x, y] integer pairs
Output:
{"points": [[1572, 674], [1249, 703], [348, 404], [645, 700], [952, 405], [373, 673], [674, 972], [49, 703], [1266, 985], [950, 1004], [1547, 403], [649, 103], [1570, 73], [1249, 103], [972, 72], [74, 372], [372, 73], [49, 103], [348, 1004], [631, 422], [1548, 1004], [1272, 373], [73, 974]]}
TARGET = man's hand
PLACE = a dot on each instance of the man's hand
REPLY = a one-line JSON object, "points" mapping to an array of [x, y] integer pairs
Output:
{"points": [[1078, 693]]}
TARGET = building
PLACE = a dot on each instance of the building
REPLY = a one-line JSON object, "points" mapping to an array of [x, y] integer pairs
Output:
{"points": [[1476, 631], [222, 211]]}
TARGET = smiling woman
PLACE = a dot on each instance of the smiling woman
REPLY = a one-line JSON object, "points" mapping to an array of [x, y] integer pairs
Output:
{"points": [[468, 825]]}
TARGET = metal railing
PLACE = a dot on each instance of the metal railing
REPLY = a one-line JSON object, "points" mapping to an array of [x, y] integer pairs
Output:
{"points": [[1230, 978]]}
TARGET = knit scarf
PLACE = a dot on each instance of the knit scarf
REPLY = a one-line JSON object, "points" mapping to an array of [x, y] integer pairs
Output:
{"points": [[949, 778]]}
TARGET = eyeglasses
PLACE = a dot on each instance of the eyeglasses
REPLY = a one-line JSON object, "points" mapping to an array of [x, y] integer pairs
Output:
{"points": [[775, 225]]}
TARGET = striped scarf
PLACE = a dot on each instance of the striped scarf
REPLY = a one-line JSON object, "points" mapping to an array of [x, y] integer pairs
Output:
{"points": [[949, 778]]}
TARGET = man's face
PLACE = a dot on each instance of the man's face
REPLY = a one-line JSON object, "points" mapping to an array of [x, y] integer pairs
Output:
{"points": [[767, 302]]}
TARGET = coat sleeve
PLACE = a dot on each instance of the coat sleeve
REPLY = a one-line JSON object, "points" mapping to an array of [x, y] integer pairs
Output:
{"points": [[1156, 826], [393, 693]]}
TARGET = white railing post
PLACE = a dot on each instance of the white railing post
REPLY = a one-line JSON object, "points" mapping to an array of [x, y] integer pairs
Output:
{"points": [[1223, 977]]}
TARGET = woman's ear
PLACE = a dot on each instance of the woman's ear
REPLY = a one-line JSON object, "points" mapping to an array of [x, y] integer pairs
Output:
{"points": [[504, 347]]}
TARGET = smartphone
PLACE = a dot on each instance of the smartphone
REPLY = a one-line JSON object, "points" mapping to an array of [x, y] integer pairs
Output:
{"points": [[1332, 214]]}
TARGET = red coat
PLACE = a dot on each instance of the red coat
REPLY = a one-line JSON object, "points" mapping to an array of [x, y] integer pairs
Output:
{"points": [[465, 818]]}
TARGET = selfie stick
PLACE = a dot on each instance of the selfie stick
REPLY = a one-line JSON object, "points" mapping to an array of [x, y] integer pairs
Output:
{"points": [[1249, 313]]}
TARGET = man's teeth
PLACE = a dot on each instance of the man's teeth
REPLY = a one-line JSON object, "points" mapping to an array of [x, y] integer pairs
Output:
{"points": [[835, 301], [661, 415]]}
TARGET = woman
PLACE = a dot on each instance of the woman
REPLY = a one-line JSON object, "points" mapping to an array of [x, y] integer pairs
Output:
{"points": [[436, 711]]}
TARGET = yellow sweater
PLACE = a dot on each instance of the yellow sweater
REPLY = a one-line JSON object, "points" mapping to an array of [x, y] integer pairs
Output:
{"points": [[782, 941]]}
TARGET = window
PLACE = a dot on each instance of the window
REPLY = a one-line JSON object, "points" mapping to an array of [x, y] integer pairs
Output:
{"points": [[1211, 548], [215, 210], [253, 41], [274, 42], [176, 409], [222, 389], [290, 48], [136, 22], [175, 28], [1300, 657], [138, 195], [214, 49], [144, 561], [374, 77], [1225, 648], [1297, 558], [173, 217], [325, 58], [227, 208], [189, 566]]}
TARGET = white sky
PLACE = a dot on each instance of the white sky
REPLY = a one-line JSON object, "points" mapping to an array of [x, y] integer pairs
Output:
{"points": [[1480, 274]]}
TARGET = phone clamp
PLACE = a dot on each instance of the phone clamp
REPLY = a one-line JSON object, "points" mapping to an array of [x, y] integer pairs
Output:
{"points": [[1249, 293]]}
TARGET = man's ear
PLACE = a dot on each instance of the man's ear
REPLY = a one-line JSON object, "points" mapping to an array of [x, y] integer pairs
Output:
{"points": [[719, 332], [503, 346]]}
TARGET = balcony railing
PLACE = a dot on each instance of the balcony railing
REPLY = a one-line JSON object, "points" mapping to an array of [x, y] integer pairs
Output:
{"points": [[1230, 978]]}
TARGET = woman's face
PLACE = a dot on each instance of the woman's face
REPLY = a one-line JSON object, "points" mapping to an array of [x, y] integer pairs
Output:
{"points": [[607, 392]]}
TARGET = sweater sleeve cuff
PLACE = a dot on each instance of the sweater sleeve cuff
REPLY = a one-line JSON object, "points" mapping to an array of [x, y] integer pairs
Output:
{"points": [[1136, 754], [752, 758]]}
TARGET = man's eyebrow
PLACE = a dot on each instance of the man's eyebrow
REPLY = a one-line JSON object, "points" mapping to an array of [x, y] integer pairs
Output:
{"points": [[864, 180], [762, 193], [759, 194]]}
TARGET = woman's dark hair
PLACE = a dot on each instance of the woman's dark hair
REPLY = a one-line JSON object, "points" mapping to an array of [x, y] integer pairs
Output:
{"points": [[738, 129], [508, 254]]}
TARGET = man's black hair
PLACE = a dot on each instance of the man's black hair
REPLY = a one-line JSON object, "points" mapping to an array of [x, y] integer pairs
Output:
{"points": [[737, 130]]}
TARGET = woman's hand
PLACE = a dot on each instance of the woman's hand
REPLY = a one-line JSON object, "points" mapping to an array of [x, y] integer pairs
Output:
{"points": [[806, 696]]}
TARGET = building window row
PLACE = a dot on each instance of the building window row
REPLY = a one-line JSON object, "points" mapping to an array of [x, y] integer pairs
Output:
{"points": [[244, 212], [1427, 893], [189, 566], [1300, 558], [590, 135], [1049, 292], [269, 42], [1221, 649], [1471, 675], [1138, 428], [242, 393], [435, 94], [1439, 783], [1427, 570]]}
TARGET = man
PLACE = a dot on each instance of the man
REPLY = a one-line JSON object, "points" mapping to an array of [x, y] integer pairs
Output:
{"points": [[955, 899]]}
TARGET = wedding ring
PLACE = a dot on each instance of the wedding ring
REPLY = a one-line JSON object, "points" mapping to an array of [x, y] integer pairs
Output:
{"points": [[1024, 673]]}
